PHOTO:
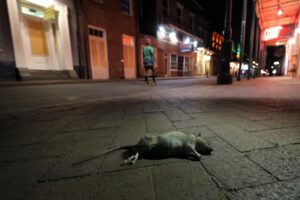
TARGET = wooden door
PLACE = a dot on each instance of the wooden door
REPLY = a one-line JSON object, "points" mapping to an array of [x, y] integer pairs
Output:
{"points": [[98, 53], [129, 57]]}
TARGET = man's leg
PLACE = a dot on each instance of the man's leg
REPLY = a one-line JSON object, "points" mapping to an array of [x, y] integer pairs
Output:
{"points": [[153, 74], [146, 77]]}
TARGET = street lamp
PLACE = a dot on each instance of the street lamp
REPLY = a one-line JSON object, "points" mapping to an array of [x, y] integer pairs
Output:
{"points": [[224, 76]]}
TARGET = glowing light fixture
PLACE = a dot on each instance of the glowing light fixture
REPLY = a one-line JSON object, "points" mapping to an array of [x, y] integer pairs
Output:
{"points": [[187, 40], [161, 33], [200, 49], [277, 43], [173, 37], [276, 63], [195, 43], [279, 12]]}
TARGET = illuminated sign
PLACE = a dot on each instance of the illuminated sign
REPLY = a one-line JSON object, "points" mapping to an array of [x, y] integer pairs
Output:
{"points": [[185, 47], [272, 33]]}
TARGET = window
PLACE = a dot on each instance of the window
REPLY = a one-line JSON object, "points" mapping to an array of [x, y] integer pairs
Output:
{"points": [[165, 8], [174, 61], [95, 32], [126, 6], [186, 63]]}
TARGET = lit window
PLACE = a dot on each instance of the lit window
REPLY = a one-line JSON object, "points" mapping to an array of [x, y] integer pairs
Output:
{"points": [[186, 63], [174, 61], [126, 6]]}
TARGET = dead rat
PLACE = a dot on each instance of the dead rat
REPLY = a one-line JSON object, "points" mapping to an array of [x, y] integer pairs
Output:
{"points": [[166, 145]]}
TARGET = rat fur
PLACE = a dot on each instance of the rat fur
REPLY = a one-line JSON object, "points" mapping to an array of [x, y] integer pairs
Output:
{"points": [[170, 144]]}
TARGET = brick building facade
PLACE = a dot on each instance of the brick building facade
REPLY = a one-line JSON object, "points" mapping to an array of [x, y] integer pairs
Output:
{"points": [[107, 35], [179, 35]]}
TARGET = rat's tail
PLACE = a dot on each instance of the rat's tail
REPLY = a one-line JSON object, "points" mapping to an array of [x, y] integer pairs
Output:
{"points": [[101, 154]]}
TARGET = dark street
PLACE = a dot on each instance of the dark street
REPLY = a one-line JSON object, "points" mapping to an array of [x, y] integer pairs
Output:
{"points": [[253, 127]]}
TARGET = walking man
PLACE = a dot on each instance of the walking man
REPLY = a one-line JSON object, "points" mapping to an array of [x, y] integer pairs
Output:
{"points": [[148, 59]]}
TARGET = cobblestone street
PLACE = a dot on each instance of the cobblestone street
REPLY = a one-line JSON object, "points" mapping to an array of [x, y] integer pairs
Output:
{"points": [[252, 125]]}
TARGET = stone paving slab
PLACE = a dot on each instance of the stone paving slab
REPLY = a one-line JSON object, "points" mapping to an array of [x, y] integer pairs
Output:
{"points": [[105, 124], [239, 138], [235, 172], [17, 178], [12, 154], [282, 136], [75, 136], [28, 133], [158, 123], [204, 131], [221, 149], [245, 124], [126, 185], [109, 116], [129, 132], [190, 109], [282, 162], [176, 115], [197, 122], [287, 190], [283, 122], [184, 180], [79, 151], [257, 115]]}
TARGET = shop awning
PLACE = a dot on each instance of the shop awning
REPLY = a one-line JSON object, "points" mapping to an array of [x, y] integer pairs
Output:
{"points": [[269, 14]]}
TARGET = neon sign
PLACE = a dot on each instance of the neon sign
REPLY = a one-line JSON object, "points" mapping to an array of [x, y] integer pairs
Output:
{"points": [[272, 33]]}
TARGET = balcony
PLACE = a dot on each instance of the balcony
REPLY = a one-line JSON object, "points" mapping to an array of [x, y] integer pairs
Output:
{"points": [[179, 24]]}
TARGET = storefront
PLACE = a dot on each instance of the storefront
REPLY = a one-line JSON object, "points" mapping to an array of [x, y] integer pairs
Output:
{"points": [[203, 63], [41, 36], [292, 60], [178, 53]]}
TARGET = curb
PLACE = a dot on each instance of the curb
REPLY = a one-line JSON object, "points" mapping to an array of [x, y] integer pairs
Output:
{"points": [[80, 81]]}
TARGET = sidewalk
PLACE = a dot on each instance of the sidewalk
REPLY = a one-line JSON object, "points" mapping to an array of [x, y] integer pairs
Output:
{"points": [[81, 81], [253, 127]]}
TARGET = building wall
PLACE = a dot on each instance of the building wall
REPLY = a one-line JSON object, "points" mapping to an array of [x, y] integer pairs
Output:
{"points": [[109, 16], [7, 59], [73, 31], [162, 53], [29, 33], [200, 26]]}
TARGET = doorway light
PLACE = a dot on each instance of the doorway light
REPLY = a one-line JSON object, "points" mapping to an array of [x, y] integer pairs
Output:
{"points": [[279, 12]]}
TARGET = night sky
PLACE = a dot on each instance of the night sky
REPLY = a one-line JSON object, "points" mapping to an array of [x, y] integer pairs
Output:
{"points": [[215, 11]]}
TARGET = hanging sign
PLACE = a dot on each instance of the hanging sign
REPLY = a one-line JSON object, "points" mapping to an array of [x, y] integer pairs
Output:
{"points": [[279, 32], [272, 33]]}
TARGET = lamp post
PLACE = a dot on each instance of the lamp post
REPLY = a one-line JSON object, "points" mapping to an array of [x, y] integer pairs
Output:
{"points": [[243, 35], [251, 39], [224, 76]]}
